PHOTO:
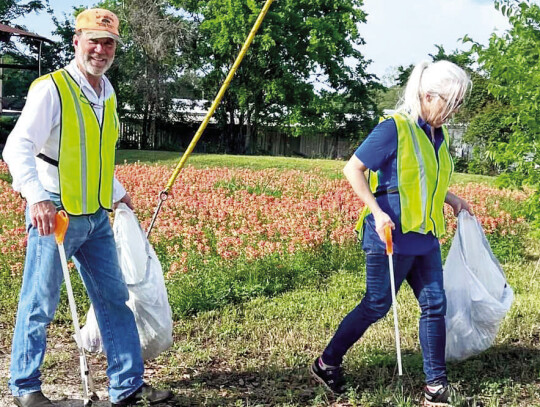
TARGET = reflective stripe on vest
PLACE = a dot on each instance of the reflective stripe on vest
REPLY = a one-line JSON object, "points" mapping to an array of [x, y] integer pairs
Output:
{"points": [[86, 151], [423, 179]]}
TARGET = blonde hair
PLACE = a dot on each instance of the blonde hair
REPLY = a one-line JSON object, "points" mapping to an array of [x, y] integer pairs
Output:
{"points": [[442, 78]]}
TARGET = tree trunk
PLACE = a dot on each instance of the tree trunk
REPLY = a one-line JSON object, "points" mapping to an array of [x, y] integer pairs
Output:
{"points": [[335, 146], [247, 145], [144, 137], [230, 130]]}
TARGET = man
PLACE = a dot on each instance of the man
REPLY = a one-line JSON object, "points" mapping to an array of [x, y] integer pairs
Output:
{"points": [[61, 155]]}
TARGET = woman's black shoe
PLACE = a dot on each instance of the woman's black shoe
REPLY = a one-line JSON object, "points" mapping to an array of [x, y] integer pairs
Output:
{"points": [[332, 379]]}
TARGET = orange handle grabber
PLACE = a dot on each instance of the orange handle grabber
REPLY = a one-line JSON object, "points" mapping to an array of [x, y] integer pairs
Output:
{"points": [[389, 244], [390, 252], [60, 229]]}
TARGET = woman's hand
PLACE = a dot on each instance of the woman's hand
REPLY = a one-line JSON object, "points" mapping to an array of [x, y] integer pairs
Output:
{"points": [[382, 220], [457, 203]]}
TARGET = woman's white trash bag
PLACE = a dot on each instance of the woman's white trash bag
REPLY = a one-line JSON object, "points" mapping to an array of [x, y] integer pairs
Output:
{"points": [[143, 275], [477, 293]]}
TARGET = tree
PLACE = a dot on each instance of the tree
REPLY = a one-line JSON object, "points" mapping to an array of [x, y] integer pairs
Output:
{"points": [[151, 61], [511, 62], [15, 82], [12, 9], [403, 73], [303, 73]]}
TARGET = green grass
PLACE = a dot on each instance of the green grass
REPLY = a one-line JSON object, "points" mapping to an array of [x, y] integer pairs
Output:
{"points": [[459, 178], [211, 286], [259, 352], [256, 352], [245, 335], [332, 168]]}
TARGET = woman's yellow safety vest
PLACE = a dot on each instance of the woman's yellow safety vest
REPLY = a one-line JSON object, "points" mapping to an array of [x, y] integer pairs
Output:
{"points": [[423, 179], [87, 150]]}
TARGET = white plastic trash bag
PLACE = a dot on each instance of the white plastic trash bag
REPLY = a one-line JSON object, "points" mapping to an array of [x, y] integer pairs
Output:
{"points": [[143, 275], [477, 293]]}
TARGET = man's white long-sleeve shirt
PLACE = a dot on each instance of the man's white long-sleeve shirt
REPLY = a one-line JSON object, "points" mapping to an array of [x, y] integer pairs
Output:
{"points": [[38, 131]]}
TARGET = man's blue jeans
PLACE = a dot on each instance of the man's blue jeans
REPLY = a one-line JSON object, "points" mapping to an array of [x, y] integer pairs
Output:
{"points": [[424, 275], [89, 239]]}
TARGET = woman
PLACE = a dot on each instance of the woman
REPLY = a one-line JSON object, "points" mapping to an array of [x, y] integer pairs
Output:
{"points": [[409, 165]]}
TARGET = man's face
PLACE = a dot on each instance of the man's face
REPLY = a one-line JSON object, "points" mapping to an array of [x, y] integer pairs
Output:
{"points": [[95, 56]]}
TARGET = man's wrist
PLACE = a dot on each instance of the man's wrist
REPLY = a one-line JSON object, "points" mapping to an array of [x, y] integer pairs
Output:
{"points": [[33, 192]]}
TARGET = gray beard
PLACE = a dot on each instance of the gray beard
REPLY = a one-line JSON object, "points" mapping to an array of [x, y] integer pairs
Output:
{"points": [[92, 70]]}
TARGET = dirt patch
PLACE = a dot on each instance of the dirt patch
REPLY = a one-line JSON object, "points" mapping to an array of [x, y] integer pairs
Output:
{"points": [[60, 373]]}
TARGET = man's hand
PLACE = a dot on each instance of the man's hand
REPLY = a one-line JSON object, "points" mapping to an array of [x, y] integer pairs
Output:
{"points": [[457, 203], [127, 200], [43, 216]]}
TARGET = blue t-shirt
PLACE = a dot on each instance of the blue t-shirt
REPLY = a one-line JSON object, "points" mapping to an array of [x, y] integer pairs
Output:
{"points": [[379, 153]]}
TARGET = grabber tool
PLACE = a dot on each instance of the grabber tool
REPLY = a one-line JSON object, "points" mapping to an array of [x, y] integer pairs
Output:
{"points": [[89, 395], [165, 193], [390, 252]]}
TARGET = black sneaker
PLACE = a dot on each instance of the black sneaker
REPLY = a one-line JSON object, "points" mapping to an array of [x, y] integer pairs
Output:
{"points": [[442, 397], [332, 379]]}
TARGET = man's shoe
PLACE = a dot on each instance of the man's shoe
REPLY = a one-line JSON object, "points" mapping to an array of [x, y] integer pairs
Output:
{"points": [[35, 399], [332, 379], [443, 397], [145, 394]]}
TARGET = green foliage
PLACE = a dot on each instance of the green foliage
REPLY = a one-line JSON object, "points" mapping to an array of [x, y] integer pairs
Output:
{"points": [[512, 63], [11, 9], [485, 131], [16, 81], [460, 58], [388, 98], [57, 55], [212, 283], [149, 64], [481, 164], [403, 74], [6, 125], [461, 164], [235, 184], [300, 45], [23, 51]]}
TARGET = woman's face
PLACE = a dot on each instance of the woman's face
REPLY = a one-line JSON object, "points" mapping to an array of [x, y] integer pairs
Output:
{"points": [[436, 109]]}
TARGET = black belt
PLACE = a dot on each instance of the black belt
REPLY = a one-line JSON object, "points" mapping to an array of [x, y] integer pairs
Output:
{"points": [[47, 159], [380, 192]]}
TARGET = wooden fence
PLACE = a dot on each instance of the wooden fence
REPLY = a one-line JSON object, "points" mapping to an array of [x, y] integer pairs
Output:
{"points": [[268, 142], [177, 137]]}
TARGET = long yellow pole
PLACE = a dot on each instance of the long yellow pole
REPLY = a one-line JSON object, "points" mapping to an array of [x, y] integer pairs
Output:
{"points": [[164, 194]]}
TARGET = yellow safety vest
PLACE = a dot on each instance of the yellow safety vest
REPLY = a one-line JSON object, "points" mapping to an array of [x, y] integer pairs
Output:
{"points": [[87, 150], [423, 179]]}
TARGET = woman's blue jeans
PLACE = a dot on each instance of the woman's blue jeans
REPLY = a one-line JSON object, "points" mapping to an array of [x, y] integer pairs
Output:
{"points": [[89, 239], [424, 275]]}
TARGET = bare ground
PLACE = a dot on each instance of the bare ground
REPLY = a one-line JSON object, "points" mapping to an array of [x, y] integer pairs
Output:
{"points": [[60, 373]]}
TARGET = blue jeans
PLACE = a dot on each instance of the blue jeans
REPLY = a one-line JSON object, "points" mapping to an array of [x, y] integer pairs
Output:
{"points": [[89, 239], [424, 275]]}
